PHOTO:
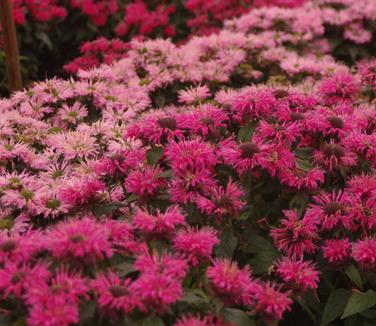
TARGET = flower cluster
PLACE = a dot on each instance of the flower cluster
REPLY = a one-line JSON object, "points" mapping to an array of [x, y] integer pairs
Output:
{"points": [[198, 184]]}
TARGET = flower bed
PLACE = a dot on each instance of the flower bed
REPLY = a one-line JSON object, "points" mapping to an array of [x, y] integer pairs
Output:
{"points": [[226, 181]]}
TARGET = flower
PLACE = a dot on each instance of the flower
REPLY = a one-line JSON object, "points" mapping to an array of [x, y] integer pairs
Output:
{"points": [[295, 237], [194, 94], [329, 210], [145, 182], [364, 253], [230, 283], [114, 293], [82, 239], [337, 251], [300, 275], [270, 302], [196, 244], [161, 223]]}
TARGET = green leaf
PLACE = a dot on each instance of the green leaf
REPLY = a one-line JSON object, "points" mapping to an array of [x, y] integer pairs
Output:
{"points": [[87, 311], [304, 158], [354, 275], [195, 297], [152, 321], [359, 302], [153, 155], [125, 268], [104, 209], [334, 306], [245, 133], [238, 317], [228, 244]]}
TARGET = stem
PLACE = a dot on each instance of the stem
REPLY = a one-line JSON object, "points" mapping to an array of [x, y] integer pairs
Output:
{"points": [[11, 46]]}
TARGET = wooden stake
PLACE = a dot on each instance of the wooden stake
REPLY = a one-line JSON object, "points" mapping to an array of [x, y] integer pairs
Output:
{"points": [[10, 45]]}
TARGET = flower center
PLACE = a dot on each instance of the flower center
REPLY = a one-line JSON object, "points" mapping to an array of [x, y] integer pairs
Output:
{"points": [[27, 194], [332, 208], [248, 149], [333, 150], [8, 245], [295, 116], [280, 93], [118, 291], [17, 277], [77, 238], [167, 123], [335, 122], [53, 203]]}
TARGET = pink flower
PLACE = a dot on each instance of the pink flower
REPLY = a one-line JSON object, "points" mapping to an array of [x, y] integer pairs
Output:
{"points": [[57, 310], [166, 263], [210, 320], [295, 237], [337, 251], [114, 293], [334, 156], [145, 182], [245, 156], [253, 104], [270, 302], [222, 202], [19, 248], [230, 283], [194, 94], [196, 244], [191, 186], [329, 210], [300, 275], [190, 155], [364, 253], [161, 223], [339, 87], [84, 239], [81, 191], [17, 279], [158, 127], [204, 120]]}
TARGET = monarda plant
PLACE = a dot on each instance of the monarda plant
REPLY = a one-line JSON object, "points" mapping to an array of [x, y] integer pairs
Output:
{"points": [[227, 181]]}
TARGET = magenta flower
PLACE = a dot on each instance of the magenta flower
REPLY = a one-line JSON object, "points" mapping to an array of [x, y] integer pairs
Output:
{"points": [[270, 302], [364, 253], [222, 202], [145, 182], [337, 251], [298, 274], [295, 236], [84, 239], [245, 156], [160, 223], [230, 283], [114, 293], [329, 210], [339, 87], [196, 244]]}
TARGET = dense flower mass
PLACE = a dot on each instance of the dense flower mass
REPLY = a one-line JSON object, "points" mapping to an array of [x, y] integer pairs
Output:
{"points": [[230, 179]]}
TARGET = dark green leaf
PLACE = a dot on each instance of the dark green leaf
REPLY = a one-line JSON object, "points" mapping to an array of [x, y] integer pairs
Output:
{"points": [[334, 306], [104, 209], [238, 317], [153, 155], [245, 133], [125, 268], [354, 275], [304, 158], [359, 302], [228, 244], [195, 297], [262, 262], [152, 321], [87, 311]]}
